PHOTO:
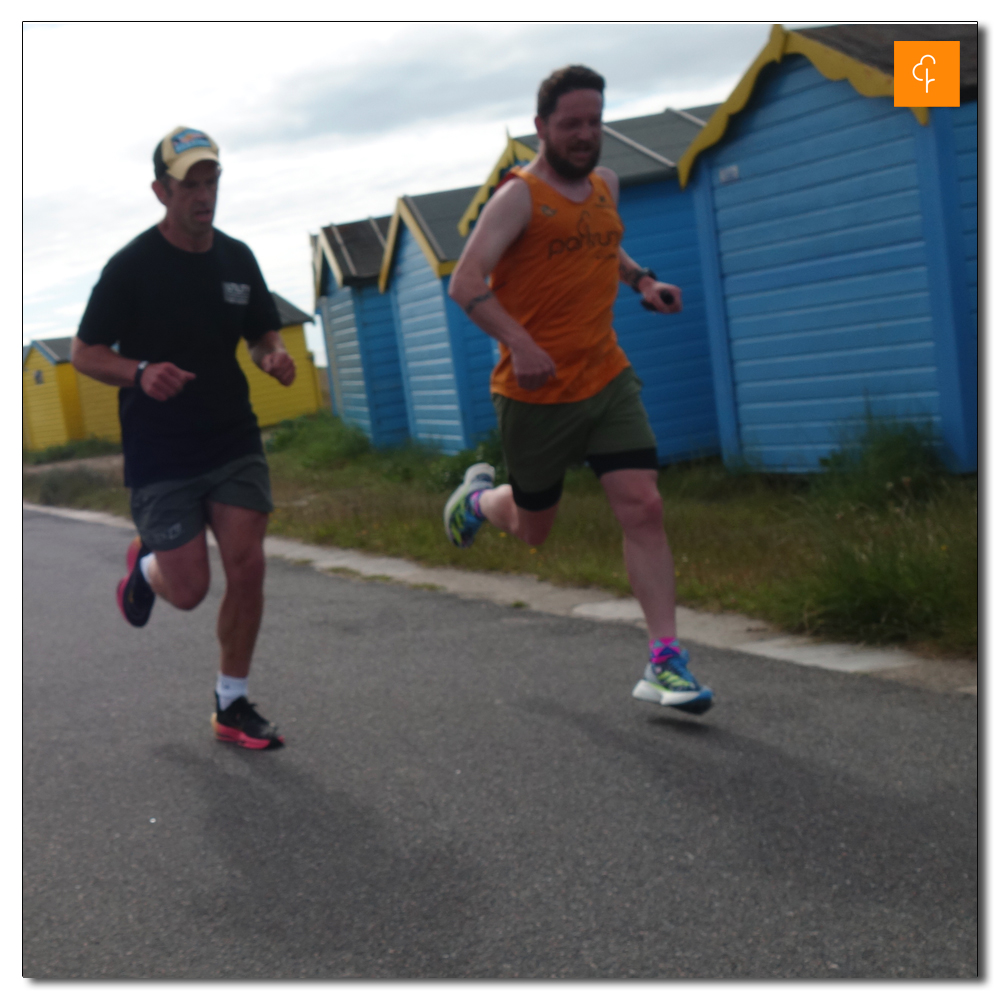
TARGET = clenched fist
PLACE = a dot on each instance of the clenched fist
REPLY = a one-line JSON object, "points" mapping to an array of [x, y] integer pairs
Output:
{"points": [[163, 380], [279, 365]]}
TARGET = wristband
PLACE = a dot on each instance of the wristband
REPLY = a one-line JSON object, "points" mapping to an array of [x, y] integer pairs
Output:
{"points": [[644, 272], [138, 373]]}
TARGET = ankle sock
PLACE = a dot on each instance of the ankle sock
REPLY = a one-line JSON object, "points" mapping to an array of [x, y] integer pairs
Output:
{"points": [[474, 504], [663, 648], [144, 564], [229, 689]]}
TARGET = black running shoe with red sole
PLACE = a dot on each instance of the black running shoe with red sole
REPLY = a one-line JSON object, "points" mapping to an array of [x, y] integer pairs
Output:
{"points": [[243, 725], [135, 596]]}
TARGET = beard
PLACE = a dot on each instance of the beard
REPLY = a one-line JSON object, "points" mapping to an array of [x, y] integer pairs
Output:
{"points": [[570, 171]]}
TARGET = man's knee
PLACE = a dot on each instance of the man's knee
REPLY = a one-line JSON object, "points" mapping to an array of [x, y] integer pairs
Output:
{"points": [[534, 526], [188, 592], [245, 569], [642, 510], [188, 598], [535, 534], [184, 576]]}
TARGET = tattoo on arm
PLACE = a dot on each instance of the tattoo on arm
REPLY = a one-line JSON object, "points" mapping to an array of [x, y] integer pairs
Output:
{"points": [[472, 303], [629, 273]]}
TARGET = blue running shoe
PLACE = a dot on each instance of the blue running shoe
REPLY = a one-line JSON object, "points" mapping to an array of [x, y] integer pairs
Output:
{"points": [[460, 521], [671, 684]]}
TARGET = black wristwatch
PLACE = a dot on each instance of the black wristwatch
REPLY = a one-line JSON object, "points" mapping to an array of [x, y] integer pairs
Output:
{"points": [[644, 272], [138, 373]]}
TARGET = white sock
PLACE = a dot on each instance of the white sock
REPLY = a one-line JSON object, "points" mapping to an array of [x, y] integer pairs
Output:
{"points": [[229, 689], [144, 564]]}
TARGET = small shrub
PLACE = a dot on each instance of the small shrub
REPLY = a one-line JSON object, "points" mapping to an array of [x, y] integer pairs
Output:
{"points": [[444, 472], [405, 463], [319, 441], [887, 463], [322, 441]]}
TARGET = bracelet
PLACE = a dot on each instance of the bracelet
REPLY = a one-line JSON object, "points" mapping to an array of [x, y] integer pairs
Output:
{"points": [[644, 272], [138, 373]]}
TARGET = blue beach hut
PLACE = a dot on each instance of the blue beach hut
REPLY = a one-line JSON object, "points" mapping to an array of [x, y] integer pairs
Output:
{"points": [[366, 386], [838, 240], [669, 353], [445, 359]]}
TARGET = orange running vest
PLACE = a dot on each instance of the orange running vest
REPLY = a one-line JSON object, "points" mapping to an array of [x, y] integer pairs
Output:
{"points": [[559, 281]]}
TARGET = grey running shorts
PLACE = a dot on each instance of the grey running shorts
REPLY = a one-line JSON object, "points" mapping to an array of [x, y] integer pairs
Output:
{"points": [[170, 513]]}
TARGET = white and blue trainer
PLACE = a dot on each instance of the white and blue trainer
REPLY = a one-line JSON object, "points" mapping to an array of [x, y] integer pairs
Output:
{"points": [[461, 522]]}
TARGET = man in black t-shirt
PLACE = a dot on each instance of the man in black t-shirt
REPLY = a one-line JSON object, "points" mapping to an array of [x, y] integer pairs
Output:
{"points": [[176, 302]]}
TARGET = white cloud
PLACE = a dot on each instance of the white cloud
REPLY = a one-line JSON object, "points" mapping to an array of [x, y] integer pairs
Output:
{"points": [[316, 123], [463, 73]]}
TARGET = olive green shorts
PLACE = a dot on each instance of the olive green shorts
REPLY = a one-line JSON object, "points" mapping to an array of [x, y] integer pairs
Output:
{"points": [[542, 440], [170, 513]]}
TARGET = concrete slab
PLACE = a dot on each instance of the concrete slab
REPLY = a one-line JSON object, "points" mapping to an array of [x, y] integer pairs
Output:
{"points": [[723, 631], [856, 659]]}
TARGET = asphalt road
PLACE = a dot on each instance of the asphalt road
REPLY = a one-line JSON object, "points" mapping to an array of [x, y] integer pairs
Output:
{"points": [[469, 791]]}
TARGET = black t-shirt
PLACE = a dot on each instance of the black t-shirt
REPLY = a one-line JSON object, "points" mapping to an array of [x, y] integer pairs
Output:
{"points": [[159, 303]]}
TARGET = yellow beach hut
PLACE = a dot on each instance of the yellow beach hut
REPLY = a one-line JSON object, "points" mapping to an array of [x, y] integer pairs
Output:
{"points": [[271, 401], [59, 404], [50, 398]]}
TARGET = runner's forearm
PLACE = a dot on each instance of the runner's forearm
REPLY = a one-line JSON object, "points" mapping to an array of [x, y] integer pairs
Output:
{"points": [[267, 344], [99, 362], [629, 271], [481, 306]]}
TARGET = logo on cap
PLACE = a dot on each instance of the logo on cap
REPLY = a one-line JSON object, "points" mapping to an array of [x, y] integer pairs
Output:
{"points": [[188, 139]]}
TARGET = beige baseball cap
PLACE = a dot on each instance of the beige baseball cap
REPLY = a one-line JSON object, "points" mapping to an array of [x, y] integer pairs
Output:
{"points": [[178, 150]]}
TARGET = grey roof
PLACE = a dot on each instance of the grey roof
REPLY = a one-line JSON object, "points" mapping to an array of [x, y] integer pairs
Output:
{"points": [[357, 247], [438, 215], [56, 349], [703, 111], [638, 151], [872, 44], [288, 314]]}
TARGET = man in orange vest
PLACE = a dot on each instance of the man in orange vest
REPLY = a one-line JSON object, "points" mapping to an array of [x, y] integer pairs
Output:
{"points": [[549, 244]]}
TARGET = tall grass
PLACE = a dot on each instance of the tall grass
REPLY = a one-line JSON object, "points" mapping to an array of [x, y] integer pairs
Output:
{"points": [[898, 544], [908, 576]]}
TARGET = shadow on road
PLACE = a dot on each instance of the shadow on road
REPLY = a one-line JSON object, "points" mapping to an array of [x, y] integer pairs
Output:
{"points": [[315, 877], [805, 827]]}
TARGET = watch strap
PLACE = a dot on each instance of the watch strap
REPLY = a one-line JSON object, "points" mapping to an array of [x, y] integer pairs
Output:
{"points": [[644, 272]]}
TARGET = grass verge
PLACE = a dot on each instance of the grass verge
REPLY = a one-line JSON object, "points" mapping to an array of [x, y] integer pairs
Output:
{"points": [[880, 548], [88, 448], [81, 488]]}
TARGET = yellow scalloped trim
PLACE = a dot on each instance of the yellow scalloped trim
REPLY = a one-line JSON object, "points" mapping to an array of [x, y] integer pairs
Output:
{"points": [[390, 249], [834, 65], [515, 151], [441, 268]]}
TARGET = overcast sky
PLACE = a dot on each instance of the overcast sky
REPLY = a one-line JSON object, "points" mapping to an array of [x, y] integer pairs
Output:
{"points": [[317, 123]]}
